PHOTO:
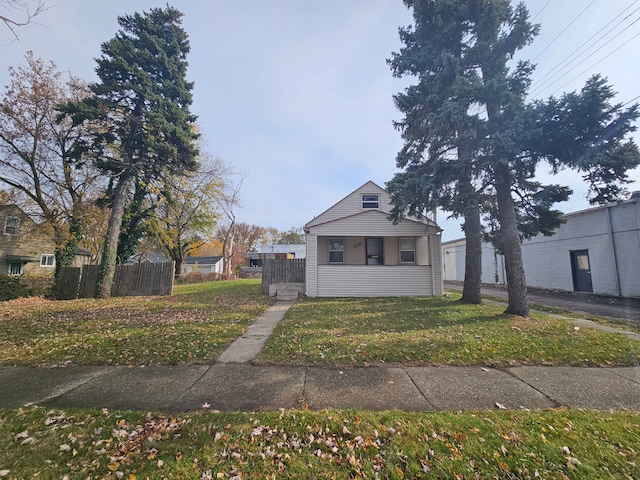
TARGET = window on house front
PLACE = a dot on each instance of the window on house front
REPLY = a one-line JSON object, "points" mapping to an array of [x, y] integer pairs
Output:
{"points": [[336, 250], [11, 225], [16, 268], [47, 260], [370, 201], [407, 250]]}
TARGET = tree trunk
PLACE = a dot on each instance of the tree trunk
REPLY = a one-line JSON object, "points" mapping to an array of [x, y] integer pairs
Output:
{"points": [[510, 244], [110, 250], [473, 255], [178, 266]]}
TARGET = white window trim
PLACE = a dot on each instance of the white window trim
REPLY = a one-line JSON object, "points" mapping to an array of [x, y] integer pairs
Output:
{"points": [[331, 240], [6, 224], [44, 264], [376, 201], [400, 250]]}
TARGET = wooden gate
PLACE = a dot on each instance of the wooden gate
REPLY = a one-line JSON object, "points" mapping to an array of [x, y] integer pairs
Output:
{"points": [[282, 271]]}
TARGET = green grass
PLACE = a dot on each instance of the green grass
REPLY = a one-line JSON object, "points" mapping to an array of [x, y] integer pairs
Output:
{"points": [[192, 326], [546, 444], [435, 331]]}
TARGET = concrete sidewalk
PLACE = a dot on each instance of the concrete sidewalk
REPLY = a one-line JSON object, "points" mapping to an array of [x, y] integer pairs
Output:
{"points": [[245, 387], [234, 384]]}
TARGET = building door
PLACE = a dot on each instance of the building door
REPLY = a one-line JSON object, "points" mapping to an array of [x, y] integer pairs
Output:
{"points": [[374, 251], [581, 270]]}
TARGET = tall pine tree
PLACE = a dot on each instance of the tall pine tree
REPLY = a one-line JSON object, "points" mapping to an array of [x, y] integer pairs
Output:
{"points": [[142, 101], [459, 50]]}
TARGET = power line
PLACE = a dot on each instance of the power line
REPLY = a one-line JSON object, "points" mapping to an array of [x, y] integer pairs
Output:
{"points": [[564, 64], [601, 60], [550, 82], [540, 11], [565, 28]]}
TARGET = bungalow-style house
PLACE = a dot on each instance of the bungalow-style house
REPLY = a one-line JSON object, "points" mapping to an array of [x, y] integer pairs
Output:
{"points": [[202, 265], [25, 248], [354, 250]]}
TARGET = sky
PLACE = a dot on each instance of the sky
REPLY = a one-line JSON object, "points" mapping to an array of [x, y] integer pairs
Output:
{"points": [[297, 94]]}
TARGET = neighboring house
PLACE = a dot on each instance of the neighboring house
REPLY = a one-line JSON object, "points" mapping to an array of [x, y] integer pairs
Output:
{"points": [[25, 248], [596, 250], [202, 265], [276, 251], [148, 257], [354, 250]]}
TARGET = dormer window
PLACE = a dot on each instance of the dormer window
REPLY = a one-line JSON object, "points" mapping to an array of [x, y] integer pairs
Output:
{"points": [[370, 201]]}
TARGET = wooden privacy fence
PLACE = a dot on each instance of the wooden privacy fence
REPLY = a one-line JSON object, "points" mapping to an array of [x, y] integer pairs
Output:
{"points": [[282, 271], [137, 279]]}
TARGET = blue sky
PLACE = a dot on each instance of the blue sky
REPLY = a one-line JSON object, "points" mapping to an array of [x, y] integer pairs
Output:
{"points": [[297, 93]]}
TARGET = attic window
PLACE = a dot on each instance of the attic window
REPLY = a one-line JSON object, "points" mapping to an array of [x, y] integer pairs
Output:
{"points": [[370, 201], [11, 225]]}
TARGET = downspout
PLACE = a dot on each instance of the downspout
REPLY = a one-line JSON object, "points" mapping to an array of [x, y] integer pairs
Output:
{"points": [[613, 250]]}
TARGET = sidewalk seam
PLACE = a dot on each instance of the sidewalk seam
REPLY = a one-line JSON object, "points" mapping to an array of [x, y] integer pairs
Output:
{"points": [[433, 407], [612, 371], [304, 386], [556, 403], [193, 384], [54, 395]]}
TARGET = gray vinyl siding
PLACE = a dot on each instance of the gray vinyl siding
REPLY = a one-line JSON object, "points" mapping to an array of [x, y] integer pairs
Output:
{"points": [[372, 224], [374, 281], [436, 264], [311, 268]]}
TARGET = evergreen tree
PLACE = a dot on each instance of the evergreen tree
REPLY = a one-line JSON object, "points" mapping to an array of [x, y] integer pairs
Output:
{"points": [[142, 101], [459, 50]]}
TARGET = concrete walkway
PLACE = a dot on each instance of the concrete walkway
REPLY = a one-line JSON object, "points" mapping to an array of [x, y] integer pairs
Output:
{"points": [[234, 384], [249, 345]]}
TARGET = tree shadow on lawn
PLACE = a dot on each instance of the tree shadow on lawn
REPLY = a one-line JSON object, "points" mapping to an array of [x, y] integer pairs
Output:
{"points": [[358, 315]]}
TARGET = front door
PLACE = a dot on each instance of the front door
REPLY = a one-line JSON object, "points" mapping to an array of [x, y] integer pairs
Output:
{"points": [[374, 251], [581, 270]]}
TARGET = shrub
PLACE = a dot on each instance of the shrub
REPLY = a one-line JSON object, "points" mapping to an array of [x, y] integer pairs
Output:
{"points": [[11, 287]]}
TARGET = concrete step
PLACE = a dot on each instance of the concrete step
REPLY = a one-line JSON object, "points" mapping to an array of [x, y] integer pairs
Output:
{"points": [[287, 295]]}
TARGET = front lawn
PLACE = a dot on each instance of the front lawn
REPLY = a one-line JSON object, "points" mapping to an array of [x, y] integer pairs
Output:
{"points": [[194, 325], [435, 331], [294, 444]]}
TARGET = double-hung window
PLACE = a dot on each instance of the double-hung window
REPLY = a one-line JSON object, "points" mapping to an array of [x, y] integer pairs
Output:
{"points": [[336, 250], [370, 201], [11, 225], [47, 260], [407, 250]]}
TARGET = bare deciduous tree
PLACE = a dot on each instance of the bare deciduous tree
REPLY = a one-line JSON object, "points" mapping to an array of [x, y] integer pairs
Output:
{"points": [[19, 13]]}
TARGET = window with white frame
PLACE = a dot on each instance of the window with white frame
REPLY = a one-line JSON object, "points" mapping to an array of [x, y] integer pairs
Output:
{"points": [[47, 260], [407, 250], [336, 250], [16, 268], [11, 225], [370, 201]]}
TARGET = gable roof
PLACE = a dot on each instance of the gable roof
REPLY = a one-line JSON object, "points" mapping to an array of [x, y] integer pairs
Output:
{"points": [[351, 206], [201, 260]]}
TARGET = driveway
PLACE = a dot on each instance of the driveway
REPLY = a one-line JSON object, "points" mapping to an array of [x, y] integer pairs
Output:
{"points": [[580, 302]]}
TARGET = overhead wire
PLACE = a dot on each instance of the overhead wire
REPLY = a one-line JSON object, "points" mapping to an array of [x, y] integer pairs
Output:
{"points": [[564, 63], [599, 61], [565, 28]]}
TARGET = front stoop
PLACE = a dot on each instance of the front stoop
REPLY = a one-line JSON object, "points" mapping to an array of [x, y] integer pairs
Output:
{"points": [[286, 291], [287, 295]]}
